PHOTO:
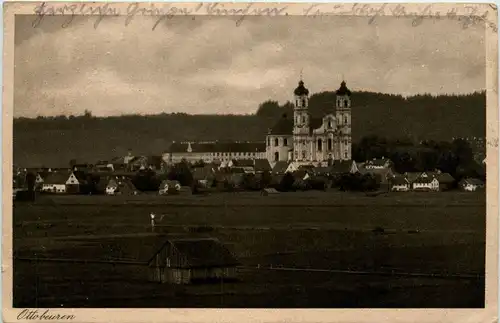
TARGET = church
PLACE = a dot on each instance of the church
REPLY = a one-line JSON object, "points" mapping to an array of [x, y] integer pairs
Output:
{"points": [[306, 140]]}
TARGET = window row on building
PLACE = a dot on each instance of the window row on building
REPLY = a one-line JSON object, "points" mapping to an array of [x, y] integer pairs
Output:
{"points": [[276, 142], [304, 155]]}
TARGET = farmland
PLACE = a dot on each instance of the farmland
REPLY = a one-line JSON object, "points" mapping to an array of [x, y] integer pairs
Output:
{"points": [[296, 249]]}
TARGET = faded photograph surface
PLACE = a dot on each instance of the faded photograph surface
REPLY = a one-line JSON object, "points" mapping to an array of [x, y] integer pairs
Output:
{"points": [[209, 161]]}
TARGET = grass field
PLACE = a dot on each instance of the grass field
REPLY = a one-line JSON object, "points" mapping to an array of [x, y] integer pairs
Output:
{"points": [[440, 233]]}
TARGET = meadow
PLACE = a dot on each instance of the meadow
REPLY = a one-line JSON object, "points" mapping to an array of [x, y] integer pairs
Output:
{"points": [[329, 236]]}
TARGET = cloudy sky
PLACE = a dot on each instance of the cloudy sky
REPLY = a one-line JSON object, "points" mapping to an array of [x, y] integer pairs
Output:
{"points": [[208, 65]]}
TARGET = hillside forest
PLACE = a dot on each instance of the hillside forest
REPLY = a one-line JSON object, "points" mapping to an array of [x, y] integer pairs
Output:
{"points": [[53, 141]]}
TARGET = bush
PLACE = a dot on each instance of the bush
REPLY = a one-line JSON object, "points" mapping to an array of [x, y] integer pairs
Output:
{"points": [[286, 183]]}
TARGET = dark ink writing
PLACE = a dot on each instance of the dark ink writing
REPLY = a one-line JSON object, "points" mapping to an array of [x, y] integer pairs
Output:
{"points": [[40, 315]]}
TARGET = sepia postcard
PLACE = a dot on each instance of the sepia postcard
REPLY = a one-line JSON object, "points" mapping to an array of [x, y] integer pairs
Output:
{"points": [[255, 162]]}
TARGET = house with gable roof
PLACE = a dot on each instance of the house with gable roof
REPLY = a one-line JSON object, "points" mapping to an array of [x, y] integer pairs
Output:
{"points": [[55, 182], [378, 163], [426, 183], [75, 180], [283, 167], [399, 183], [471, 184]]}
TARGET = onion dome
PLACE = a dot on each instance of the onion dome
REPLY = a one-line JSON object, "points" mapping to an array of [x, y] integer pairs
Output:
{"points": [[301, 89], [343, 90]]}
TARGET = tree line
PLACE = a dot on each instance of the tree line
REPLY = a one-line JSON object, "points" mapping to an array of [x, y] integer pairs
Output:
{"points": [[48, 140]]}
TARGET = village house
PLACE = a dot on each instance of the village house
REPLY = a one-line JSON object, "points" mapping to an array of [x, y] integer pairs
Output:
{"points": [[169, 187], [121, 186], [103, 166], [399, 183], [39, 179], [55, 182], [74, 181], [426, 183], [205, 175], [471, 184], [378, 163], [383, 175], [262, 165], [86, 168], [300, 179], [412, 176], [445, 180], [137, 163], [340, 167], [184, 261], [283, 167]]}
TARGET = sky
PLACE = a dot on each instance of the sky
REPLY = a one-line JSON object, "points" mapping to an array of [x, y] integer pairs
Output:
{"points": [[210, 66]]}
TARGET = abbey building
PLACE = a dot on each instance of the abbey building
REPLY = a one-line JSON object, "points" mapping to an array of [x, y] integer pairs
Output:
{"points": [[309, 140]]}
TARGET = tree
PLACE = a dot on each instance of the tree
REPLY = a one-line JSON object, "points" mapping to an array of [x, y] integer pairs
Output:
{"points": [[427, 159], [268, 108], [181, 172], [199, 163], [266, 179], [146, 180], [286, 183], [87, 114]]}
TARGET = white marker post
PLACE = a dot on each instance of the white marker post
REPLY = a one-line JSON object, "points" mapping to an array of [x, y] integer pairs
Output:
{"points": [[152, 222]]}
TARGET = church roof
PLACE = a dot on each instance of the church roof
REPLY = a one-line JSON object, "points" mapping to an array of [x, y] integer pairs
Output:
{"points": [[301, 89], [284, 126], [343, 90], [316, 123]]}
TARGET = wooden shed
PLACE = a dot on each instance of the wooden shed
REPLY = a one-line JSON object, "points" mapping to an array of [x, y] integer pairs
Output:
{"points": [[184, 261]]}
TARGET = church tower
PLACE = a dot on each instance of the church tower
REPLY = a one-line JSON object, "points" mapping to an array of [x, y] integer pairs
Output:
{"points": [[343, 116], [301, 122]]}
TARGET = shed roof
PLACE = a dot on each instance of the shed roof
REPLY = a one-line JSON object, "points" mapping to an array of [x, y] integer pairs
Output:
{"points": [[141, 249], [204, 252]]}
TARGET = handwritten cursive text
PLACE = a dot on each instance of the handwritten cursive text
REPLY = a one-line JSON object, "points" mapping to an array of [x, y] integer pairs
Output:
{"points": [[46, 315]]}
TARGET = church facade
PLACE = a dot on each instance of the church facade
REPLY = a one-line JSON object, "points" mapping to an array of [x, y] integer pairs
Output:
{"points": [[307, 140]]}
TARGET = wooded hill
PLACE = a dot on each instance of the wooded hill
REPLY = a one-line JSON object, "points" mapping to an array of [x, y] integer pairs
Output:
{"points": [[53, 141]]}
